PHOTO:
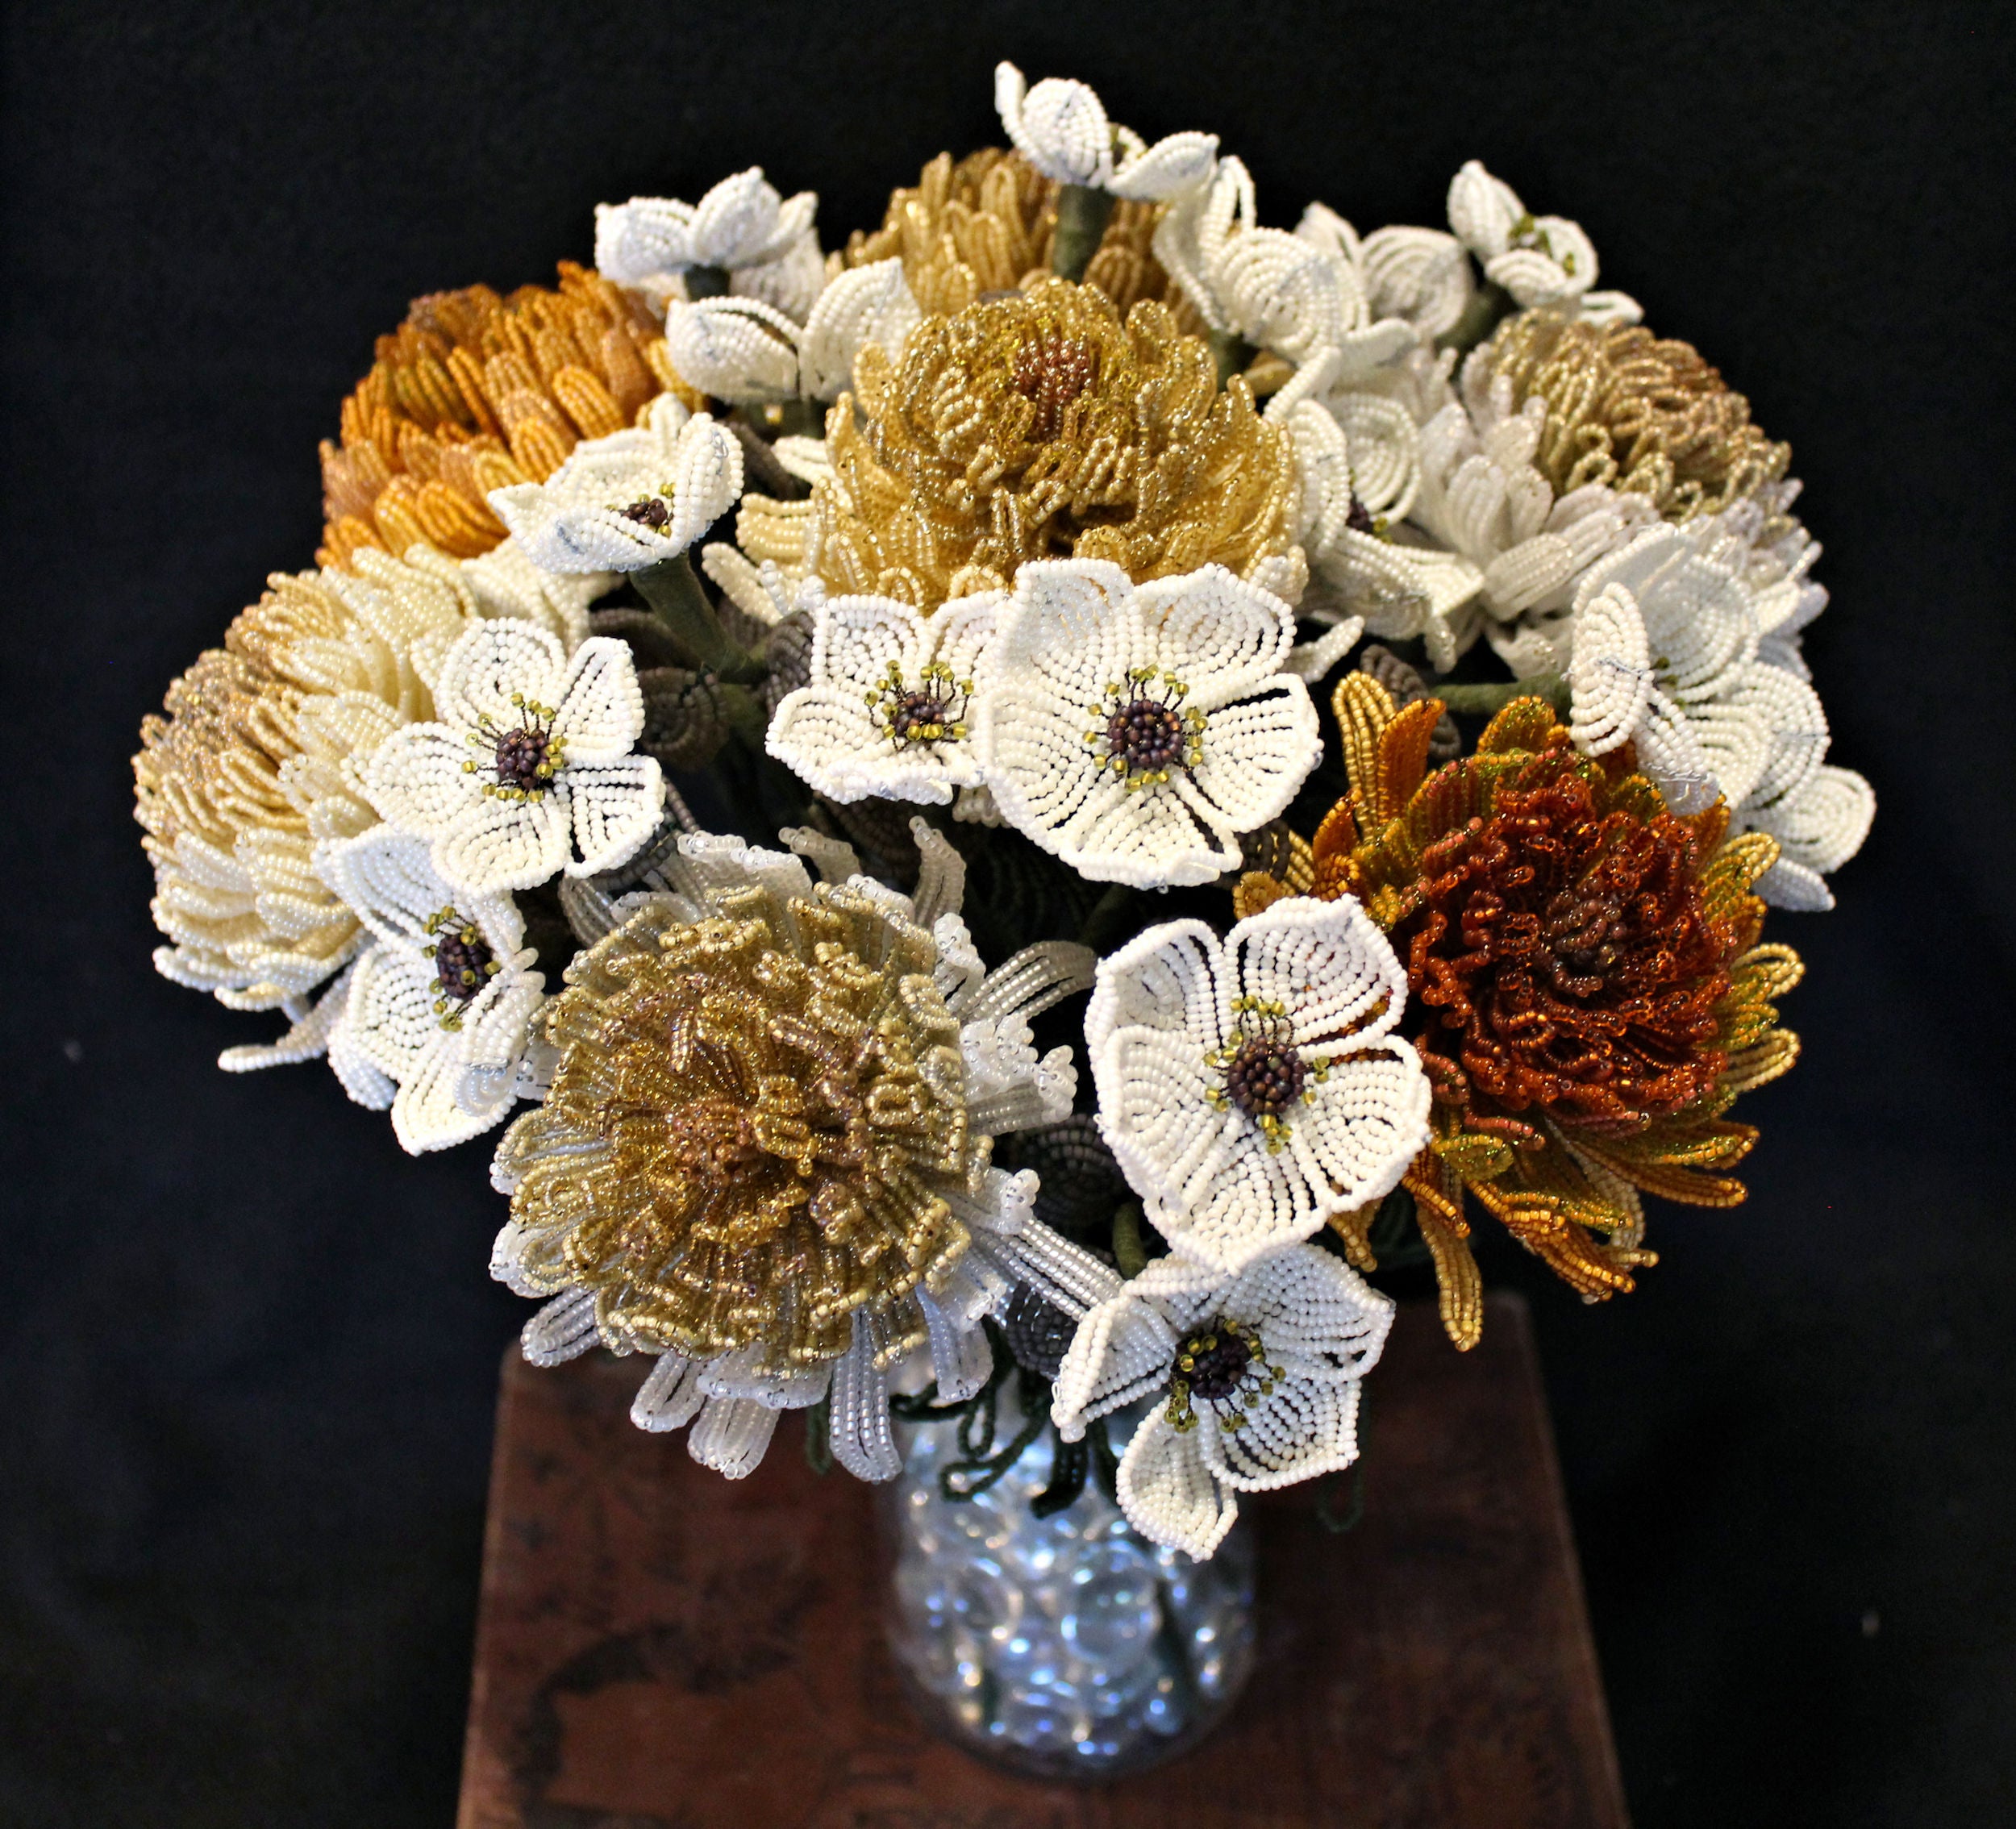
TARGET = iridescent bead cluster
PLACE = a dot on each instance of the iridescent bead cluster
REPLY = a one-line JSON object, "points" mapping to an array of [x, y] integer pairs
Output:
{"points": [[526, 756], [1225, 1366], [1142, 731], [933, 710], [463, 963], [1264, 1074]]}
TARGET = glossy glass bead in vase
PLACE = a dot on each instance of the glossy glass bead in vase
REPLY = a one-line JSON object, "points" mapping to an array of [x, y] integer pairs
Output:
{"points": [[1066, 1647]]}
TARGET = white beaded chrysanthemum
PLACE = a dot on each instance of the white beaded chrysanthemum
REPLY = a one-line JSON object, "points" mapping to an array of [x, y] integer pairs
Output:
{"points": [[746, 351], [1060, 128], [1007, 1086], [1252, 1087], [439, 1007], [764, 243], [630, 500], [888, 708], [526, 770], [1262, 1370], [1673, 650], [1136, 731]]}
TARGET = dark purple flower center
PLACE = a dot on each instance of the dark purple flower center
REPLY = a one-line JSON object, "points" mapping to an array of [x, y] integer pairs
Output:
{"points": [[652, 512], [1147, 734], [1265, 1077], [522, 760], [462, 963]]}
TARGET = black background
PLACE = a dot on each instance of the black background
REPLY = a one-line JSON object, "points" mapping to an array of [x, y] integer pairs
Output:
{"points": [[248, 1351]]}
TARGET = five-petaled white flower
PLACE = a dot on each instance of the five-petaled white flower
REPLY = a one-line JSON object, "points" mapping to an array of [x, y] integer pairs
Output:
{"points": [[764, 243], [888, 708], [628, 501], [745, 351], [1060, 128], [1136, 731], [1262, 1371], [440, 1000], [527, 770], [1538, 260], [1252, 1087]]}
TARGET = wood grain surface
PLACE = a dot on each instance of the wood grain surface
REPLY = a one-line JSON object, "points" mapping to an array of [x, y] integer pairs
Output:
{"points": [[660, 1648]]}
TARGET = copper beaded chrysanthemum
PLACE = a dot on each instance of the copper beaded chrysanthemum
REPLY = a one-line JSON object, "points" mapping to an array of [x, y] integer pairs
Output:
{"points": [[751, 1131], [1586, 989], [1044, 425]]}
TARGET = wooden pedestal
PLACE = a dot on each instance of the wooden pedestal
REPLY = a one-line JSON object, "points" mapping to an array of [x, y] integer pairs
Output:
{"points": [[660, 1648]]}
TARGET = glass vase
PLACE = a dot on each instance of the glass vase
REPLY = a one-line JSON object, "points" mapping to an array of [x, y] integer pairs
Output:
{"points": [[1067, 1646]]}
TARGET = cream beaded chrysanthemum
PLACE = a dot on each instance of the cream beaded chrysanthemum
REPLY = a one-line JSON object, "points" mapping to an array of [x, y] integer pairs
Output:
{"points": [[1135, 731], [1252, 1087], [777, 1236], [1060, 128], [887, 710], [764, 245], [628, 501], [1262, 1370], [527, 770], [440, 1003], [745, 352]]}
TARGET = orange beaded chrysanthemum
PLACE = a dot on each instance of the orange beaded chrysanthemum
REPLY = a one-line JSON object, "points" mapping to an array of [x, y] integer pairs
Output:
{"points": [[1586, 987], [477, 391]]}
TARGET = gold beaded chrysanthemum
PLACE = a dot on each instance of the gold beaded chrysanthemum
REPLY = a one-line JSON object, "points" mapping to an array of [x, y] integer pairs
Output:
{"points": [[751, 1133], [1038, 426], [1643, 414], [986, 223], [475, 392]]}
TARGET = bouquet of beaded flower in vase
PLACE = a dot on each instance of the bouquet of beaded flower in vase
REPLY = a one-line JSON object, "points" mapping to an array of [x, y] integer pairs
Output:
{"points": [[767, 710]]}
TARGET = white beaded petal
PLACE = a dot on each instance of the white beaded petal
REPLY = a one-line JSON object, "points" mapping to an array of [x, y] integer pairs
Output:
{"points": [[1169, 1491]]}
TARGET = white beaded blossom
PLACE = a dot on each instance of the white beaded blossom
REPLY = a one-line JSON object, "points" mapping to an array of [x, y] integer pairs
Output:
{"points": [[1252, 1087], [887, 710], [1060, 128], [1136, 731], [1296, 294], [1673, 651], [1262, 1370], [1359, 456], [526, 770], [765, 244], [746, 351], [1538, 260], [1007, 1086], [630, 500], [440, 1003]]}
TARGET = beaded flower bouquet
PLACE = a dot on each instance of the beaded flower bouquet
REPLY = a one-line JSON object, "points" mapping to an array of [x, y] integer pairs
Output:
{"points": [[1004, 814]]}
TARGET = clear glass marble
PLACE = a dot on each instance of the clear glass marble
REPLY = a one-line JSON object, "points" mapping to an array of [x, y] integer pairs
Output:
{"points": [[1068, 1646]]}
